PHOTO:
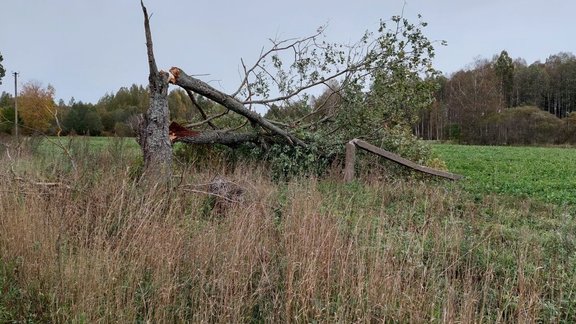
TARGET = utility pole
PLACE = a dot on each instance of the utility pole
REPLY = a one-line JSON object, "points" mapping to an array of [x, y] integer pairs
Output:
{"points": [[16, 104]]}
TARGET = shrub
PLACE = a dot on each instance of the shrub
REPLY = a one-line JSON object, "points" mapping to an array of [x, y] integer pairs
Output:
{"points": [[530, 125]]}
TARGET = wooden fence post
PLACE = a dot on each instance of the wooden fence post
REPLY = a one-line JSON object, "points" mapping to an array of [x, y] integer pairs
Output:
{"points": [[350, 161]]}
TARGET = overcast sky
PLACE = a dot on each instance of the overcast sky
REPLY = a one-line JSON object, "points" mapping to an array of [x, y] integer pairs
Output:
{"points": [[86, 48]]}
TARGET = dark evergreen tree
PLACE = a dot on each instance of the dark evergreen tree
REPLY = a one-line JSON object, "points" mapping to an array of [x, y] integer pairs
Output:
{"points": [[504, 68], [2, 70], [82, 119]]}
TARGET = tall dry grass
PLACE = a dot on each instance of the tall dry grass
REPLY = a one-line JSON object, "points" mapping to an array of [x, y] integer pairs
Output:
{"points": [[98, 247]]}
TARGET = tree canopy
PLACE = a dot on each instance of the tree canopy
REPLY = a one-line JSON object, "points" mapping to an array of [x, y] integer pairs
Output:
{"points": [[36, 107], [82, 119]]}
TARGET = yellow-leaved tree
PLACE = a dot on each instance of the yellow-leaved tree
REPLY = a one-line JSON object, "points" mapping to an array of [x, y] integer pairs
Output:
{"points": [[36, 106]]}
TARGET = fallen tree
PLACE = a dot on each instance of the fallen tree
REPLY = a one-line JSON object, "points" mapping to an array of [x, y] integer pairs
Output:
{"points": [[372, 88]]}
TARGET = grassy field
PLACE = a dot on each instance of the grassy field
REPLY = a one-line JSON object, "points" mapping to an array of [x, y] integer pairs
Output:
{"points": [[90, 244], [52, 145], [544, 173]]}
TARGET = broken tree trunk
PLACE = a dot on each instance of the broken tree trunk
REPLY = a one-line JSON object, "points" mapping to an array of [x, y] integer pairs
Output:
{"points": [[153, 135], [200, 87]]}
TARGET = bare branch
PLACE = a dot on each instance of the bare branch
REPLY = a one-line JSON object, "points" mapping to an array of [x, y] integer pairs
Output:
{"points": [[277, 47], [151, 60], [297, 91], [206, 119]]}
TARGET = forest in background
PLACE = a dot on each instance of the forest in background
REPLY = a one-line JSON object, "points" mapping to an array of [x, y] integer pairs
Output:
{"points": [[504, 101], [498, 101]]}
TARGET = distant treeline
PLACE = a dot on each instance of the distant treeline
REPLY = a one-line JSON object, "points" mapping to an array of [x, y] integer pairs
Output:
{"points": [[499, 101], [505, 101], [111, 115]]}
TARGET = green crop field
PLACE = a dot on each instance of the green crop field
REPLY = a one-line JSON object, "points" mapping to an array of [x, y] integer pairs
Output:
{"points": [[544, 173]]}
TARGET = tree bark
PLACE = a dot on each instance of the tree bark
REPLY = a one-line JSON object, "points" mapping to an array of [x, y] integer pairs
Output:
{"points": [[154, 139], [200, 87]]}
